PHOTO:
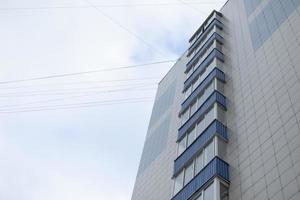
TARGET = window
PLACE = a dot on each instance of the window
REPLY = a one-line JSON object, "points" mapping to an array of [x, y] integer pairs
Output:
{"points": [[193, 107], [199, 163], [181, 146], [201, 100], [219, 86], [189, 73], [221, 115], [178, 182], [199, 197], [188, 92], [196, 83], [189, 173], [223, 192], [209, 193], [191, 136], [184, 117], [200, 126], [209, 117], [209, 153]]}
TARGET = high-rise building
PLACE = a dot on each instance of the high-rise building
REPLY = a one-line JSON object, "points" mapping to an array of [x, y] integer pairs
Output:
{"points": [[226, 118]]}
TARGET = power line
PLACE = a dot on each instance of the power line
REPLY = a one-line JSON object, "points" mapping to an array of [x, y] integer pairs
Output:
{"points": [[104, 6], [193, 8], [86, 82], [74, 92], [86, 72], [73, 97], [150, 46], [79, 105]]}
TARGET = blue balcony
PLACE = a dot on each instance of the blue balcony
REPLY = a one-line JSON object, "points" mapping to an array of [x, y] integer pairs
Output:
{"points": [[215, 128], [207, 44], [215, 53], [216, 73], [216, 23], [204, 26], [216, 168], [215, 97]]}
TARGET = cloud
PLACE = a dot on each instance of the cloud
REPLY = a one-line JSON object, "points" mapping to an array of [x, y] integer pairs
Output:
{"points": [[85, 153]]}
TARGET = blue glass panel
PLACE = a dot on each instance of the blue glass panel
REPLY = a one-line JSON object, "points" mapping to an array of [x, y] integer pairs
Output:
{"points": [[262, 27], [278, 11], [163, 102], [288, 6], [248, 7], [270, 18], [157, 138], [256, 41], [296, 2]]}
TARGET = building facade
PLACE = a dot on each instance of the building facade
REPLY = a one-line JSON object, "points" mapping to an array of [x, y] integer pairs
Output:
{"points": [[226, 119]]}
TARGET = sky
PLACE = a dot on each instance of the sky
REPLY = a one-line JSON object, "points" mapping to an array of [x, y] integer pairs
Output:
{"points": [[80, 137]]}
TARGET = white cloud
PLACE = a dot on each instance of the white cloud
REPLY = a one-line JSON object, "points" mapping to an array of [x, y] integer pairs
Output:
{"points": [[87, 153]]}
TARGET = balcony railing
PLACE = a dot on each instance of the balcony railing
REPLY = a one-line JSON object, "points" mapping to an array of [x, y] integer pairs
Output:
{"points": [[216, 168], [215, 128]]}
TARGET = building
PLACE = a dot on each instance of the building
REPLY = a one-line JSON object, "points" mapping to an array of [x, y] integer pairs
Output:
{"points": [[226, 119]]}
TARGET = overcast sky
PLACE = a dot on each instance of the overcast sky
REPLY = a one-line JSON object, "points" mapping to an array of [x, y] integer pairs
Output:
{"points": [[58, 139]]}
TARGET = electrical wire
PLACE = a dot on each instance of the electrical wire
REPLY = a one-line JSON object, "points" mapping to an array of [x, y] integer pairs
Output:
{"points": [[193, 8], [150, 46], [78, 89], [78, 105], [85, 82], [75, 92], [86, 72], [103, 6]]}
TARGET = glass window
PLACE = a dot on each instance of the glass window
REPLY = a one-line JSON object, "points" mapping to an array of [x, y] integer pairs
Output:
{"points": [[178, 182], [193, 107], [184, 116], [196, 83], [188, 92], [201, 100], [189, 173], [199, 197], [220, 86], [181, 146], [199, 163], [223, 192], [209, 193], [191, 137], [221, 115], [189, 72], [209, 117], [210, 88], [200, 126], [209, 152]]}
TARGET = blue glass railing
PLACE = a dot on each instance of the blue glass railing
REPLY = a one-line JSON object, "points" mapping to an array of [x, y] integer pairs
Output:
{"points": [[215, 168], [215, 97], [215, 128]]}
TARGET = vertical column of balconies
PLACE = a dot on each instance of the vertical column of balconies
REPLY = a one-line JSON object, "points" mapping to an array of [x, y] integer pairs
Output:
{"points": [[199, 169]]}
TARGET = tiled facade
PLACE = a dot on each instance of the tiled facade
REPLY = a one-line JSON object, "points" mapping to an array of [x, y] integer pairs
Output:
{"points": [[260, 43]]}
